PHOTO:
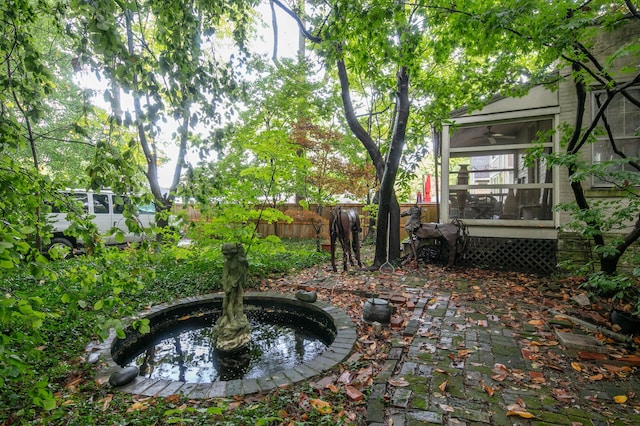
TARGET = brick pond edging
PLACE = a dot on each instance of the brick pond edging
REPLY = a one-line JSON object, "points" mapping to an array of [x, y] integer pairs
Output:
{"points": [[338, 351]]}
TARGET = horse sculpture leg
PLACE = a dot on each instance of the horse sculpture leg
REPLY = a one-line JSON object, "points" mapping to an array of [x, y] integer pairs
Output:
{"points": [[414, 249], [333, 252], [345, 248], [451, 242], [356, 247]]}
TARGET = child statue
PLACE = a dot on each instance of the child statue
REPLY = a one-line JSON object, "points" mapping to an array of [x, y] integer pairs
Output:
{"points": [[232, 331]]}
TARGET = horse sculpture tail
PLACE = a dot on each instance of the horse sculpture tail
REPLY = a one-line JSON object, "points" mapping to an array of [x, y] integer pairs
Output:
{"points": [[334, 224], [462, 237]]}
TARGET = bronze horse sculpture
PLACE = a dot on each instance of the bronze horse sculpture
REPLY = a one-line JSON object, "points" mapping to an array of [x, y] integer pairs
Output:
{"points": [[455, 234], [345, 226]]}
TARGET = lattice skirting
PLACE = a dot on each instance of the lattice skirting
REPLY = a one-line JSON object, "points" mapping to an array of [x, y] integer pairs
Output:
{"points": [[513, 254], [534, 256]]}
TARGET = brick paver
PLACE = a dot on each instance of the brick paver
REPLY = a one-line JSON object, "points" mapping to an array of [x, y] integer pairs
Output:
{"points": [[469, 364]]}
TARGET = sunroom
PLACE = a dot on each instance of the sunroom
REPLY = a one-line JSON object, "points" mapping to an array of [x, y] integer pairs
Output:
{"points": [[505, 199]]}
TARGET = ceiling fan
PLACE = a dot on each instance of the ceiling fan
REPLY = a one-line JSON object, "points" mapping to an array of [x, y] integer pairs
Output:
{"points": [[491, 136]]}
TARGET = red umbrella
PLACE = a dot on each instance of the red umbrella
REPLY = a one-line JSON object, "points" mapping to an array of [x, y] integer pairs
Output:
{"points": [[427, 189]]}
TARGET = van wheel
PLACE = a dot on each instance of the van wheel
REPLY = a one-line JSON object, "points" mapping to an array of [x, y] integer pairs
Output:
{"points": [[60, 248]]}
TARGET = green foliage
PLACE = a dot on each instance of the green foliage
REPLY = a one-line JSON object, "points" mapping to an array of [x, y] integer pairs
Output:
{"points": [[47, 322], [623, 289]]}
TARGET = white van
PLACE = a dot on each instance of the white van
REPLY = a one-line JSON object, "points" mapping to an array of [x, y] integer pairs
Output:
{"points": [[107, 210]]}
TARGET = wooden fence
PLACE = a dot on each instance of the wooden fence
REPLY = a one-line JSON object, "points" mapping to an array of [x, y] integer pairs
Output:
{"points": [[305, 222]]}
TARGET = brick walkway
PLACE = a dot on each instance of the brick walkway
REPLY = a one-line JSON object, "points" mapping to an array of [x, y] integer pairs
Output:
{"points": [[473, 363]]}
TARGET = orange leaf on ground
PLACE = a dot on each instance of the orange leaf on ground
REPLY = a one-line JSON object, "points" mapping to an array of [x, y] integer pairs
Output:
{"points": [[137, 406], [528, 355], [537, 377], [576, 366], [591, 356], [620, 399], [616, 369], [501, 372], [443, 386], [487, 389], [172, 399], [628, 359], [323, 407], [596, 377], [523, 414]]}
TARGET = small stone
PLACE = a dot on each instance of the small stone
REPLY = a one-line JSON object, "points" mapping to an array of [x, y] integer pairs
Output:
{"points": [[580, 342], [582, 299], [93, 357], [124, 376], [307, 296]]}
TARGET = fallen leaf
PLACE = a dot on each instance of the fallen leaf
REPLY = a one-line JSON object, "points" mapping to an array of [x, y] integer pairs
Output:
{"points": [[620, 399], [487, 389], [523, 414], [501, 372], [591, 356], [537, 377], [323, 407], [629, 359], [398, 382], [443, 386], [172, 399], [345, 377], [137, 406], [615, 369], [537, 322], [332, 388], [105, 402], [562, 395], [576, 366], [447, 408], [596, 377]]}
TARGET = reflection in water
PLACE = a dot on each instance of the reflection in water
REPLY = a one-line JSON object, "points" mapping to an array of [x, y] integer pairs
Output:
{"points": [[188, 355]]}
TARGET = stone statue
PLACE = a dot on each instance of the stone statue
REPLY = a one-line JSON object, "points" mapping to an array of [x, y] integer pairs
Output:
{"points": [[232, 331], [415, 219]]}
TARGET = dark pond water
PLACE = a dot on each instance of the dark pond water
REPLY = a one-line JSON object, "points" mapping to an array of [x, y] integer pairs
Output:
{"points": [[185, 352]]}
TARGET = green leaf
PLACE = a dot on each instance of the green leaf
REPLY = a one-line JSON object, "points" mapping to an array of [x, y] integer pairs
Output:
{"points": [[98, 305], [119, 236]]}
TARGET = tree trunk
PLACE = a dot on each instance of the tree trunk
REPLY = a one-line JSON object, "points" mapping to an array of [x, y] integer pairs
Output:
{"points": [[389, 210]]}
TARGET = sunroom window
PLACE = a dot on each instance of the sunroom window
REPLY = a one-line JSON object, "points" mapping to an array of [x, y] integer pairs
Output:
{"points": [[490, 178], [623, 118]]}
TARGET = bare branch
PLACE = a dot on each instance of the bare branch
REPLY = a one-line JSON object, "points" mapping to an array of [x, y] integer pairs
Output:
{"points": [[303, 30], [612, 141]]}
